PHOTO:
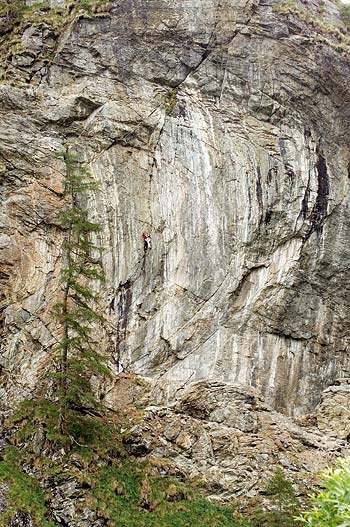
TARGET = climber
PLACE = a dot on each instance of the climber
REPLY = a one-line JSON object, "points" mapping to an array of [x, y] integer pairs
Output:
{"points": [[120, 366], [147, 242]]}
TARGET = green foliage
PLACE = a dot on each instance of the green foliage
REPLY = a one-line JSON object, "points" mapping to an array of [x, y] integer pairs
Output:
{"points": [[24, 494], [79, 359], [170, 101], [133, 497], [64, 417], [331, 505], [284, 505], [102, 444], [121, 490], [16, 17], [319, 30], [85, 433], [281, 490], [34, 415], [344, 13]]}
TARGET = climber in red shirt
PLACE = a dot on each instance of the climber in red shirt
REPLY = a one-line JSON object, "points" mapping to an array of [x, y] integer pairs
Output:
{"points": [[147, 242]]}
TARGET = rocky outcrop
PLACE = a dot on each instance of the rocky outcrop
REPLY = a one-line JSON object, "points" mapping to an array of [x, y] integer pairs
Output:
{"points": [[229, 440], [222, 129], [221, 438], [333, 413]]}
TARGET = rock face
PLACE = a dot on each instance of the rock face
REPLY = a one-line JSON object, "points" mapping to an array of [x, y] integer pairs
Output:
{"points": [[221, 128], [333, 414], [226, 437]]}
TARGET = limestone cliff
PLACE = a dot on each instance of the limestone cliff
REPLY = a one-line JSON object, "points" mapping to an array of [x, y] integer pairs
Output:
{"points": [[222, 128]]}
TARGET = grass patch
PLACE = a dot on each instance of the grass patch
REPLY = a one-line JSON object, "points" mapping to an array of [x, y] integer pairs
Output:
{"points": [[24, 494], [16, 17], [170, 101], [128, 495], [119, 489], [319, 29], [136, 498]]}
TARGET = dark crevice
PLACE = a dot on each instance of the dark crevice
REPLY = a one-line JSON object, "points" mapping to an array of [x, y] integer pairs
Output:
{"points": [[271, 175], [290, 173], [205, 55], [120, 305], [305, 201], [208, 47], [154, 160], [167, 350], [319, 211], [259, 193], [284, 335], [249, 200], [268, 216]]}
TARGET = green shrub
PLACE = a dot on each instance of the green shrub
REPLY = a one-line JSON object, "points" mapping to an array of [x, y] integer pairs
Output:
{"points": [[170, 101], [284, 505], [123, 492], [331, 505]]}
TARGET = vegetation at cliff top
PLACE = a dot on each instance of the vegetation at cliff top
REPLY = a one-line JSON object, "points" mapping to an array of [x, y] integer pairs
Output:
{"points": [[320, 30], [16, 17]]}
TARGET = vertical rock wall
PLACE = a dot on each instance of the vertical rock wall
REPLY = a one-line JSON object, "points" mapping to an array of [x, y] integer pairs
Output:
{"points": [[220, 127]]}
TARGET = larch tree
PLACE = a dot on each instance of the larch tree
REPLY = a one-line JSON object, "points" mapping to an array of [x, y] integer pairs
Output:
{"points": [[79, 322]]}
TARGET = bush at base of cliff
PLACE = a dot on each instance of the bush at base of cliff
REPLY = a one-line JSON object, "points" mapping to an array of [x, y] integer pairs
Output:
{"points": [[331, 505], [283, 503]]}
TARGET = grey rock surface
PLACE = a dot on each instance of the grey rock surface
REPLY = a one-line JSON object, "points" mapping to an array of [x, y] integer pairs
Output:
{"points": [[230, 457], [222, 128], [21, 519], [333, 413], [3, 493], [66, 509]]}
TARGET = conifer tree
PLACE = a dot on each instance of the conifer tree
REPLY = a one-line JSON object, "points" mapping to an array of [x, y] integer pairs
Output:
{"points": [[79, 358]]}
